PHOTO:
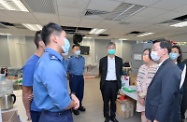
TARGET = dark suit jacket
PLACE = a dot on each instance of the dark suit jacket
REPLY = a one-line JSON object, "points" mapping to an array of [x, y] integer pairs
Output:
{"points": [[185, 80], [162, 101], [103, 65]]}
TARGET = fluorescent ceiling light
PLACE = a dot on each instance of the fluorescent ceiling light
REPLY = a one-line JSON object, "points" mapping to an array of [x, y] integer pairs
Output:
{"points": [[33, 27], [145, 34], [14, 5], [8, 34], [121, 39], [180, 24], [87, 37], [97, 31]]}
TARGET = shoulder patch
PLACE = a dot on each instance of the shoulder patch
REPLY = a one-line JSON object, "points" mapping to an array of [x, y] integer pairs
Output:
{"points": [[52, 57]]}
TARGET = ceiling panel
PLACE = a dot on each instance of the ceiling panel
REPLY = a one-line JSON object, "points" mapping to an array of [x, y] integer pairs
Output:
{"points": [[170, 4], [79, 4], [134, 19], [46, 18], [107, 24], [103, 5], [89, 23], [181, 9], [170, 15], [140, 25], [69, 21], [73, 12], [19, 15], [151, 12], [142, 2], [4, 16]]}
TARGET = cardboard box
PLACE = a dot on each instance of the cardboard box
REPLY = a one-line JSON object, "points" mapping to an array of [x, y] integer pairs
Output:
{"points": [[125, 108], [133, 79], [10, 116]]}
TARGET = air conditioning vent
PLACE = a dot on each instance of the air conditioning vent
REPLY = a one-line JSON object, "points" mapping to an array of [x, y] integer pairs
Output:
{"points": [[123, 11], [41, 6], [94, 12]]}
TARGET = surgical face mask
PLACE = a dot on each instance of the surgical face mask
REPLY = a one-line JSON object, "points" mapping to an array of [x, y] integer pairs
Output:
{"points": [[66, 45], [154, 56], [173, 56], [111, 51], [78, 52]]}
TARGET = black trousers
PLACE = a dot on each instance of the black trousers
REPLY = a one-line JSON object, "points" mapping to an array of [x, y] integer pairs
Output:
{"points": [[76, 84], [184, 105], [109, 94]]}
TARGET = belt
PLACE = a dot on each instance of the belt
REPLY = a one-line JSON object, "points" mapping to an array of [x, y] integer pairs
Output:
{"points": [[60, 113], [111, 80], [76, 75]]}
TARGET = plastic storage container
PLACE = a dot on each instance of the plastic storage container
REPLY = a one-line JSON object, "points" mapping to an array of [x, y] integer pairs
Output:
{"points": [[6, 87]]}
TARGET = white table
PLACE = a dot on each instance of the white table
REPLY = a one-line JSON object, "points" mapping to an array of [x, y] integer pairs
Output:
{"points": [[133, 95]]}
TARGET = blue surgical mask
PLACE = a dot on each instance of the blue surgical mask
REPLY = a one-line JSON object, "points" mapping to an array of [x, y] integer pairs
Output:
{"points": [[173, 56], [66, 45], [111, 51], [78, 52], [154, 56]]}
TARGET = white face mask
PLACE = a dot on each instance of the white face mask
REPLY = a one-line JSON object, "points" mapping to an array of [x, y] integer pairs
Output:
{"points": [[66, 45], [154, 56]]}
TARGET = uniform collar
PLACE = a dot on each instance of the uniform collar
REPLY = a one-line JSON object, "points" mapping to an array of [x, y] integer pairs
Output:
{"points": [[75, 56], [54, 53]]}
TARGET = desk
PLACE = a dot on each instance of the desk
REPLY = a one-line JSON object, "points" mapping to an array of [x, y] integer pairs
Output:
{"points": [[133, 95]]}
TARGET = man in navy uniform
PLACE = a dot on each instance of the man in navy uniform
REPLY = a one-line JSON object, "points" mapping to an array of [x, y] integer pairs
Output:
{"points": [[50, 80], [32, 111], [76, 65]]}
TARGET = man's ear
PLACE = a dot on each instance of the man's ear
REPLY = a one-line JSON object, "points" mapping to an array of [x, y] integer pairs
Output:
{"points": [[54, 38], [41, 43]]}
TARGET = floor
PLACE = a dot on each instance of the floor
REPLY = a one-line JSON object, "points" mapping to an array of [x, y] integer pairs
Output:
{"points": [[92, 102]]}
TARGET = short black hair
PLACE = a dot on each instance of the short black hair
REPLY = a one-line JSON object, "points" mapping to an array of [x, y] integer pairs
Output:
{"points": [[111, 43], [37, 38], [179, 59], [76, 45], [48, 29], [164, 44], [148, 49]]}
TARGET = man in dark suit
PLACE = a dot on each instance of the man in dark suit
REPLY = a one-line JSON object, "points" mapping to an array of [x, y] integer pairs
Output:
{"points": [[110, 69], [162, 101]]}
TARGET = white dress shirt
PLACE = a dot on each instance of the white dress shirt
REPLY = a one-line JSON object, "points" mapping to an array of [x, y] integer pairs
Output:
{"points": [[183, 74], [111, 69]]}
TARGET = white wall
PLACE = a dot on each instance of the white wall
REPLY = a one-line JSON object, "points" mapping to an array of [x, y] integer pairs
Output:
{"points": [[20, 48]]}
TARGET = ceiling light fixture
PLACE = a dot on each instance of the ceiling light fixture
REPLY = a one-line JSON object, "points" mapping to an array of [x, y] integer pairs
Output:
{"points": [[33, 27], [122, 39], [14, 5], [180, 24], [97, 31], [87, 37], [145, 34], [6, 34]]}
